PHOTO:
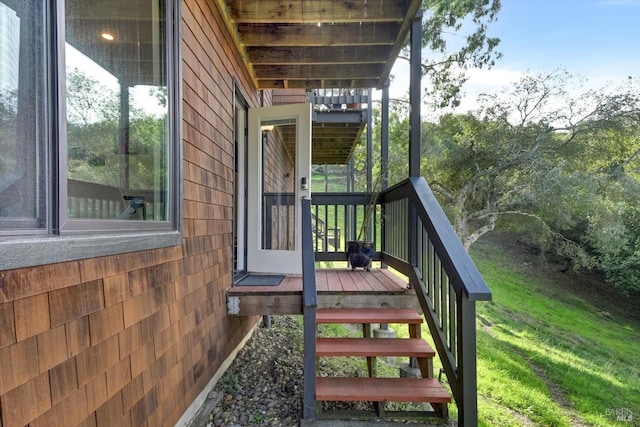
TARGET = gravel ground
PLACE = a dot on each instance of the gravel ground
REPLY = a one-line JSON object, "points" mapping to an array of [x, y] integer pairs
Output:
{"points": [[263, 385]]}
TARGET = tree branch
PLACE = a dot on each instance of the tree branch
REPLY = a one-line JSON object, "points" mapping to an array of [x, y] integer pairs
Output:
{"points": [[620, 168]]}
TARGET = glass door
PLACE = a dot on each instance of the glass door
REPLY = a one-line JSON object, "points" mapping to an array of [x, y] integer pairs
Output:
{"points": [[279, 177]]}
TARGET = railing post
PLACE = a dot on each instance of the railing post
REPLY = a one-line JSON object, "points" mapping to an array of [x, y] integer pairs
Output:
{"points": [[310, 303], [412, 241], [384, 163], [468, 402], [415, 95], [384, 136], [369, 144]]}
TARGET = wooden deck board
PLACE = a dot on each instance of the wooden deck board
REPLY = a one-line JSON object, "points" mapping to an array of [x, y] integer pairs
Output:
{"points": [[368, 315], [334, 280], [385, 347], [346, 280], [336, 288], [361, 281], [390, 280], [322, 284], [381, 389]]}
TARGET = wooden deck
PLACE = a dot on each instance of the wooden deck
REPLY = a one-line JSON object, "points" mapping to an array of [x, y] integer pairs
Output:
{"points": [[336, 288]]}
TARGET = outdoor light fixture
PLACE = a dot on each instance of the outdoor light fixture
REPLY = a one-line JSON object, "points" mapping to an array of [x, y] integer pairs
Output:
{"points": [[107, 36], [265, 129]]}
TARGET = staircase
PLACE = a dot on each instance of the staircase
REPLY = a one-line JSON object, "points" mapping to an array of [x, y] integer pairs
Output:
{"points": [[372, 388]]}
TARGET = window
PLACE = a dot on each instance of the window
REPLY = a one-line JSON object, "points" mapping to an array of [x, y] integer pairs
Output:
{"points": [[21, 111], [89, 119], [117, 129]]}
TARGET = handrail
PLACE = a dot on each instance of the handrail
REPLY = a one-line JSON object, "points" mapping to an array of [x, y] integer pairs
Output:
{"points": [[457, 261], [310, 303], [414, 236], [420, 242]]}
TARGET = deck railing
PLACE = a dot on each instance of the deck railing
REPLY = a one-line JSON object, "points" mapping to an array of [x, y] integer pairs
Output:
{"points": [[413, 235], [420, 243], [345, 217], [97, 201], [339, 98]]}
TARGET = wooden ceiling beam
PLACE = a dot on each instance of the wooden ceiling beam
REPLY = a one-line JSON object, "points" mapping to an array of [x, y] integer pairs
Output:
{"points": [[271, 35], [276, 83], [314, 11], [312, 72], [302, 55]]}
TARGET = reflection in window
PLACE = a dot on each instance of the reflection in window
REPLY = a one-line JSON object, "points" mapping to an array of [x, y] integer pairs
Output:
{"points": [[116, 100], [278, 184], [21, 115]]}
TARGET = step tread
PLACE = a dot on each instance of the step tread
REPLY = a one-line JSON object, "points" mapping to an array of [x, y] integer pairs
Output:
{"points": [[368, 315], [384, 347], [381, 389]]}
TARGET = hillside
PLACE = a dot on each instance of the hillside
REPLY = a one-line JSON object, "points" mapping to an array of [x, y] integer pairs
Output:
{"points": [[553, 348]]}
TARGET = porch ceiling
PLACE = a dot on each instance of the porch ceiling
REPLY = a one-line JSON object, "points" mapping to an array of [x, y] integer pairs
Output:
{"points": [[332, 143], [319, 43], [335, 135]]}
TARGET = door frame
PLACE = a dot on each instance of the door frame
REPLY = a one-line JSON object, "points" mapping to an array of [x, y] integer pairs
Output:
{"points": [[261, 260], [240, 217]]}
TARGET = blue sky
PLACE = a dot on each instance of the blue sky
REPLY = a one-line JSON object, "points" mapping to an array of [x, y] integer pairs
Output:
{"points": [[596, 39], [590, 37]]}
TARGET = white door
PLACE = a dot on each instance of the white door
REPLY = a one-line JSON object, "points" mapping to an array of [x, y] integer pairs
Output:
{"points": [[279, 177]]}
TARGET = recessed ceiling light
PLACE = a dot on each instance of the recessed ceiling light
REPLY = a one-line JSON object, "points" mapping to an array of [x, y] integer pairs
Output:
{"points": [[108, 36]]}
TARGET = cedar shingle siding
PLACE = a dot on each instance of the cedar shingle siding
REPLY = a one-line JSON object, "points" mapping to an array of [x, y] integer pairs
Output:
{"points": [[132, 339]]}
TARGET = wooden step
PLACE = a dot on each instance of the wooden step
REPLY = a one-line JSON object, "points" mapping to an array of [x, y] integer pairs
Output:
{"points": [[381, 389], [368, 315], [385, 347]]}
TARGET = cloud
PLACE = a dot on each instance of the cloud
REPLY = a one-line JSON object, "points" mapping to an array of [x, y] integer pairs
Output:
{"points": [[494, 77]]}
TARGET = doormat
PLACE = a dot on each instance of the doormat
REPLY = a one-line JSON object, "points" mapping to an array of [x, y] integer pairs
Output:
{"points": [[261, 280]]}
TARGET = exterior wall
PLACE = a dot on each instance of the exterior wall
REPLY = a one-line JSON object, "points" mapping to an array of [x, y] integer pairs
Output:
{"points": [[289, 96], [131, 340]]}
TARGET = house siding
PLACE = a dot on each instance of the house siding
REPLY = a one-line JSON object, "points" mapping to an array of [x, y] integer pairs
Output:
{"points": [[132, 339]]}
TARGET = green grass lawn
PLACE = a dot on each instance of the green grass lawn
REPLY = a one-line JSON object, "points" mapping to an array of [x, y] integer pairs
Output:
{"points": [[547, 354]]}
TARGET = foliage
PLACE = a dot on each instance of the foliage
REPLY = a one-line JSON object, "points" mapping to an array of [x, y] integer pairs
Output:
{"points": [[89, 101], [8, 118], [537, 159], [444, 24], [397, 166], [94, 135]]}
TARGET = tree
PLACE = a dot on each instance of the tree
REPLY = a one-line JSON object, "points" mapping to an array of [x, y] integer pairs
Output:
{"points": [[396, 165], [568, 164], [450, 50], [8, 117], [93, 135]]}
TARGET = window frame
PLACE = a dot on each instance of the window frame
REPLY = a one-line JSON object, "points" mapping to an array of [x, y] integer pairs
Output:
{"points": [[37, 225], [63, 239]]}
